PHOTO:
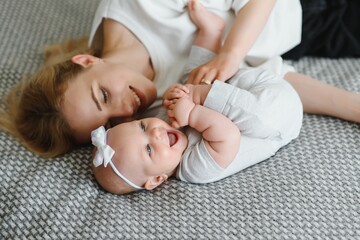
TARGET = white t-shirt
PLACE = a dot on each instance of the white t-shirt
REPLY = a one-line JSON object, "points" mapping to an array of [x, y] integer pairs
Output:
{"points": [[165, 29]]}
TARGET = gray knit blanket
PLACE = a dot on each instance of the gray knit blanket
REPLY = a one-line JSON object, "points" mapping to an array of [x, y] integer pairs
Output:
{"points": [[309, 190]]}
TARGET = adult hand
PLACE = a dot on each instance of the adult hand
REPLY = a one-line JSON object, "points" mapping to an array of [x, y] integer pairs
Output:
{"points": [[222, 67]]}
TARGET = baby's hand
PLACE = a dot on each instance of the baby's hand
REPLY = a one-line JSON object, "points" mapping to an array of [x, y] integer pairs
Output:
{"points": [[174, 92], [179, 112], [222, 67]]}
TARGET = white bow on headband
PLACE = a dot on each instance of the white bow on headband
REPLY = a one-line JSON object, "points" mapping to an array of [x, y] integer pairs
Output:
{"points": [[104, 153]]}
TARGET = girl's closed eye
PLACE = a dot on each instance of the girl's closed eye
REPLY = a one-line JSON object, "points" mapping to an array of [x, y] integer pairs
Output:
{"points": [[105, 94], [142, 126]]}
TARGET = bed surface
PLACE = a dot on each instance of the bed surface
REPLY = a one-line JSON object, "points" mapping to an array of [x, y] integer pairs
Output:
{"points": [[309, 190]]}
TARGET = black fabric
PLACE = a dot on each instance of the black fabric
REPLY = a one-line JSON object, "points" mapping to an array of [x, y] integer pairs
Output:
{"points": [[331, 28]]}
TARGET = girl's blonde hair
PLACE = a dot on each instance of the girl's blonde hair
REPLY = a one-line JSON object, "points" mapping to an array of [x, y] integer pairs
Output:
{"points": [[32, 107]]}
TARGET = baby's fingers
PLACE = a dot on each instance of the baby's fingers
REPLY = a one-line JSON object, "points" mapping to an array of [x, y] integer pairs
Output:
{"points": [[167, 103], [174, 95], [171, 106], [183, 88], [171, 120], [175, 124], [179, 92], [171, 114]]}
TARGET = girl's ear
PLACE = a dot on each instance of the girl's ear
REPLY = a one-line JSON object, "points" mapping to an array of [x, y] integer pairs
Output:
{"points": [[85, 60], [155, 181]]}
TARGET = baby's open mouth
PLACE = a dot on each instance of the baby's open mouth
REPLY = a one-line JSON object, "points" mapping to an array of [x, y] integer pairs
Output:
{"points": [[172, 138]]}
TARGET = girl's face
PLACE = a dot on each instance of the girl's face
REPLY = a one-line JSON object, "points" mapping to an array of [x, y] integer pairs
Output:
{"points": [[102, 93]]}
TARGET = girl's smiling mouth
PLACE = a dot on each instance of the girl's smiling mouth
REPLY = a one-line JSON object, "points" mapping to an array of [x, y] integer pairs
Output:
{"points": [[140, 98]]}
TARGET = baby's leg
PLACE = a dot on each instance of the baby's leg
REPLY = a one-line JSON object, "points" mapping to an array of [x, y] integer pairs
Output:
{"points": [[321, 98], [210, 26]]}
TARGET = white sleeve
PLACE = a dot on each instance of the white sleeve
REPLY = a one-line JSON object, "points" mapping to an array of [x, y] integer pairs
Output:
{"points": [[260, 103], [197, 165]]}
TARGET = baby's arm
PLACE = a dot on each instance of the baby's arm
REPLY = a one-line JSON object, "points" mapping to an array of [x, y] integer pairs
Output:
{"points": [[221, 135], [248, 24]]}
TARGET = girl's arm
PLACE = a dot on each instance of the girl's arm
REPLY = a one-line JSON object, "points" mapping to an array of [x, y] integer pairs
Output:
{"points": [[248, 25], [221, 135]]}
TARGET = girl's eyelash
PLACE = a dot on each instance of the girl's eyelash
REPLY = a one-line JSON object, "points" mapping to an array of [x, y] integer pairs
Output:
{"points": [[142, 126], [105, 95]]}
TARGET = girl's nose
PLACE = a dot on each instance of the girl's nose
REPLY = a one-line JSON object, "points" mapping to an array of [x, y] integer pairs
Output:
{"points": [[121, 104]]}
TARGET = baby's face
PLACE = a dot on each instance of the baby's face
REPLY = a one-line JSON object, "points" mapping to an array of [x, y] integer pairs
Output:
{"points": [[146, 148]]}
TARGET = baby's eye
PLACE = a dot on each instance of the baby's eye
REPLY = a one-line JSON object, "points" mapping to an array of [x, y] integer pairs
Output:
{"points": [[105, 95], [148, 149]]}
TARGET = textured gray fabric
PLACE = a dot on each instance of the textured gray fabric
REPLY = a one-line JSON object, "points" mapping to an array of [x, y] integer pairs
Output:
{"points": [[308, 190]]}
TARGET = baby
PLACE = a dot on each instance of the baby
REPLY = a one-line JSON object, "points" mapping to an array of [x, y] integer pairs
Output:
{"points": [[227, 126]]}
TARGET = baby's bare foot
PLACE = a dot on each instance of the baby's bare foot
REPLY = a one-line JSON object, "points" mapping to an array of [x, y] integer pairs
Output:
{"points": [[206, 21]]}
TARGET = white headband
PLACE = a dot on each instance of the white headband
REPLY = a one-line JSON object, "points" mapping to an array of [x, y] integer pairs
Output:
{"points": [[104, 153]]}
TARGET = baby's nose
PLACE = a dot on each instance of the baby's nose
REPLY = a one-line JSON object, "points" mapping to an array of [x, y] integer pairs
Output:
{"points": [[157, 133]]}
